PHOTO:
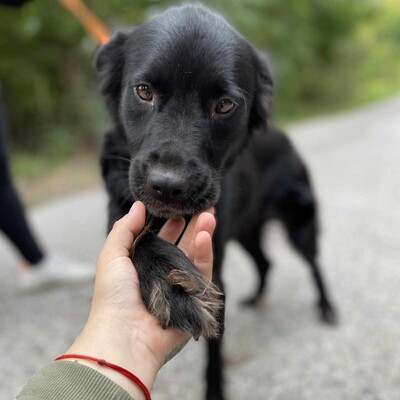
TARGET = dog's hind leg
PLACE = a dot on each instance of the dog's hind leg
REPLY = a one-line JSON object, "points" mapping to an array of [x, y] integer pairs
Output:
{"points": [[328, 313], [304, 239], [251, 242]]}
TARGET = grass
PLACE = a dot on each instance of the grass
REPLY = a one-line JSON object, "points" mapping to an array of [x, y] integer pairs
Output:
{"points": [[32, 167], [40, 178]]}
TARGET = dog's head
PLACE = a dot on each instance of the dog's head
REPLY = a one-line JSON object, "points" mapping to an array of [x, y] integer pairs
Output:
{"points": [[187, 90]]}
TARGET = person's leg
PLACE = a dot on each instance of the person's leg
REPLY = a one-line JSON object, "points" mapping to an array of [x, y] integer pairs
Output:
{"points": [[12, 216], [14, 224], [42, 269]]}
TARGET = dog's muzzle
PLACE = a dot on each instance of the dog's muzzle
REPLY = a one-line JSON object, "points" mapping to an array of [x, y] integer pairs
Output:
{"points": [[173, 189]]}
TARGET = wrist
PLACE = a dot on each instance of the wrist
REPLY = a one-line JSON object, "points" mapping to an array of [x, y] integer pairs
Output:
{"points": [[117, 348]]}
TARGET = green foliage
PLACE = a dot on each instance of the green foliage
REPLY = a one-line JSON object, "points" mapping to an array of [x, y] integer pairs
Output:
{"points": [[44, 62], [314, 48], [325, 54]]}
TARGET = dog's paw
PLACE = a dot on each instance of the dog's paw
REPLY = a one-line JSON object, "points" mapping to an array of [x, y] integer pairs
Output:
{"points": [[256, 302], [174, 291], [328, 314]]}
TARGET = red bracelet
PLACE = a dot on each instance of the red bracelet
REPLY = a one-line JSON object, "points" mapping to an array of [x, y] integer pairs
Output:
{"points": [[117, 368]]}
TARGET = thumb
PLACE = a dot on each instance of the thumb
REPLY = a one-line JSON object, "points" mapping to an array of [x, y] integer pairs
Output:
{"points": [[121, 238]]}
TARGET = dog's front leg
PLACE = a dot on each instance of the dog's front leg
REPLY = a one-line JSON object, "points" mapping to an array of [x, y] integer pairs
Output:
{"points": [[214, 369], [173, 290]]}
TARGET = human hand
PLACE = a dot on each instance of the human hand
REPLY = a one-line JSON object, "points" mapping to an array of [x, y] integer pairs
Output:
{"points": [[119, 328]]}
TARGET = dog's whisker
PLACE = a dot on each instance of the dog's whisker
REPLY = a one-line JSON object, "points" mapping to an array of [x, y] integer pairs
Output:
{"points": [[116, 157], [127, 199]]}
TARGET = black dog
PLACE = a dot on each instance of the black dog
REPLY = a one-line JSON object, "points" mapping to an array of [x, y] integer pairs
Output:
{"points": [[189, 100]]}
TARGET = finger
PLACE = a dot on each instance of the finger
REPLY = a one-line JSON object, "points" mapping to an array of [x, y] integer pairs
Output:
{"points": [[120, 240], [188, 236], [203, 255], [172, 229], [205, 222]]}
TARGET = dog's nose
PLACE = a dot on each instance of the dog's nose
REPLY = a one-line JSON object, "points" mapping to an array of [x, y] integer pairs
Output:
{"points": [[166, 186]]}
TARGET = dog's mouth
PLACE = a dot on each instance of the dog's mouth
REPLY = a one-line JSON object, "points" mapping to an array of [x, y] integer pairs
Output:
{"points": [[199, 199], [168, 211], [174, 210]]}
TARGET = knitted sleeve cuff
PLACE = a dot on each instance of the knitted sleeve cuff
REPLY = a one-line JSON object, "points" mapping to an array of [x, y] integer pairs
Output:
{"points": [[65, 380]]}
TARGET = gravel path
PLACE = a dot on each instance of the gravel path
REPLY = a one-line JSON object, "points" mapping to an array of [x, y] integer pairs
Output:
{"points": [[280, 351]]}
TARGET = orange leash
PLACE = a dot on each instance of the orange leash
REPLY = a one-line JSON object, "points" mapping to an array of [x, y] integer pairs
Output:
{"points": [[92, 24]]}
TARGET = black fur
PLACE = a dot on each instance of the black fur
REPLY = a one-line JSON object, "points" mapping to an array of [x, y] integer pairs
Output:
{"points": [[173, 290], [179, 156]]}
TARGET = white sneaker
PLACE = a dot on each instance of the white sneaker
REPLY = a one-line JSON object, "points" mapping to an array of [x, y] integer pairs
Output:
{"points": [[54, 270]]}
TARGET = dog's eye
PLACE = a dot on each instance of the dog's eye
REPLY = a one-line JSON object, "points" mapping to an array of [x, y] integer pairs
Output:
{"points": [[224, 106], [144, 92]]}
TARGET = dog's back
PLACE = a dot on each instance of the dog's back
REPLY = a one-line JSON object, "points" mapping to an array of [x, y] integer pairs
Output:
{"points": [[268, 181]]}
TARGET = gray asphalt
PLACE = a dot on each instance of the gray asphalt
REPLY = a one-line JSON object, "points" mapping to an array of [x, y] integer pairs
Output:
{"points": [[280, 351]]}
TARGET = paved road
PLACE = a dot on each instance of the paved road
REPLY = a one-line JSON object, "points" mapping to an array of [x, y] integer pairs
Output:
{"points": [[279, 352]]}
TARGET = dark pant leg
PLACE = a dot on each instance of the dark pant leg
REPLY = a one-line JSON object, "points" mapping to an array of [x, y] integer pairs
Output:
{"points": [[12, 216]]}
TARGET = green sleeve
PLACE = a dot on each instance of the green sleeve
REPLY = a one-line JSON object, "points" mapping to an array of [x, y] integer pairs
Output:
{"points": [[66, 380]]}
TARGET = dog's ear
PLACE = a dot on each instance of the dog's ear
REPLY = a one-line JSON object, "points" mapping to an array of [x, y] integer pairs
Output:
{"points": [[109, 64], [263, 91]]}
